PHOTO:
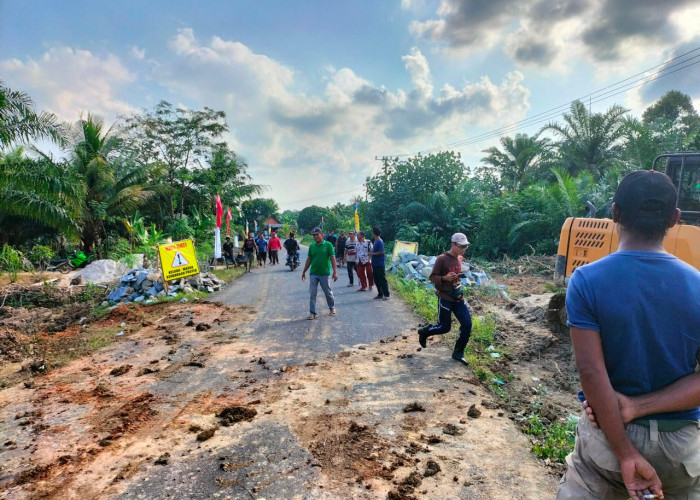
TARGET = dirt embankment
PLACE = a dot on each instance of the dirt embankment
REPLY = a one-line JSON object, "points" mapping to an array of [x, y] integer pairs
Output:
{"points": [[88, 427]]}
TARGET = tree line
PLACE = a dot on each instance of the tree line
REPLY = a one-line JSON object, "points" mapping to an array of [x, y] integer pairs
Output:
{"points": [[515, 200], [155, 174]]}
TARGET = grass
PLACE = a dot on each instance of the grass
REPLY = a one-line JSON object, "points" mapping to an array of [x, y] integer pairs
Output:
{"points": [[422, 301], [230, 274], [307, 239]]}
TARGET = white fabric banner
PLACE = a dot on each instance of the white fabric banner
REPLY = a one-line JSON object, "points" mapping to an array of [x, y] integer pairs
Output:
{"points": [[217, 243]]}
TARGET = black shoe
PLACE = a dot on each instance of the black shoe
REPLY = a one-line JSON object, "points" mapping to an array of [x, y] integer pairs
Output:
{"points": [[423, 336], [379, 297], [461, 359]]}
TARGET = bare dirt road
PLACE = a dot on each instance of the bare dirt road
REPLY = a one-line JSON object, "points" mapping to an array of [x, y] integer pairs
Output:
{"points": [[208, 400]]}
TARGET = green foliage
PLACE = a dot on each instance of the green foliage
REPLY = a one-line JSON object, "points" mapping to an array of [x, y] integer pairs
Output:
{"points": [[259, 209], [90, 292], [20, 122], [554, 440], [310, 217], [204, 251], [179, 229], [119, 250], [41, 254], [11, 262], [421, 300], [523, 160], [590, 142]]}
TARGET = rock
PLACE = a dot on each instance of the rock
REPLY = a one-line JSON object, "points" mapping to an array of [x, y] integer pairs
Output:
{"points": [[431, 468], [473, 412]]}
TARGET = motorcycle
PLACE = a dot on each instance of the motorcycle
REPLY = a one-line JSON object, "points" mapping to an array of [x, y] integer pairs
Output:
{"points": [[292, 261], [75, 260]]}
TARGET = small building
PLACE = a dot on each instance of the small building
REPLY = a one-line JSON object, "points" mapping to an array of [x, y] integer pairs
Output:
{"points": [[273, 224]]}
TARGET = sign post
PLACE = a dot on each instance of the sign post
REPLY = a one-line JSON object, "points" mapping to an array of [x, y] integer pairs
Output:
{"points": [[178, 260]]}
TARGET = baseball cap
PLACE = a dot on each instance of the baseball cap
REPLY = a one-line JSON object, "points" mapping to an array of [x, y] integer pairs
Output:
{"points": [[228, 237], [460, 239], [646, 193], [316, 230]]}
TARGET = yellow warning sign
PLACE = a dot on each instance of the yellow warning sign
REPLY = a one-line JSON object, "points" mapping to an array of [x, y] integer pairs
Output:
{"points": [[178, 260]]}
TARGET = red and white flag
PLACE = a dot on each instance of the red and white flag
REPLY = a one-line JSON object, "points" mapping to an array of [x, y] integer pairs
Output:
{"points": [[219, 210]]}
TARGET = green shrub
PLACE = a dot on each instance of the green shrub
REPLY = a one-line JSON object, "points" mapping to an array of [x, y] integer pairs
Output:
{"points": [[119, 250], [11, 261], [41, 255]]}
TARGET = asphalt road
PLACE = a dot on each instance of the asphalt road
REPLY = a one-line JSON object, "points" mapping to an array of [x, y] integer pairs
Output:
{"points": [[286, 337], [282, 302]]}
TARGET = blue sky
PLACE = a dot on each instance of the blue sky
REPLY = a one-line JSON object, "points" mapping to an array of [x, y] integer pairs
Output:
{"points": [[315, 90]]}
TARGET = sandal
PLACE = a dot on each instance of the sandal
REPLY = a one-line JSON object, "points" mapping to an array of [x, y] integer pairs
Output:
{"points": [[311, 316]]}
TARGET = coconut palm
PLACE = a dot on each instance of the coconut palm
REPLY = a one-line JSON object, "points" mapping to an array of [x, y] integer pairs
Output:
{"points": [[522, 159], [590, 142], [113, 182], [19, 122]]}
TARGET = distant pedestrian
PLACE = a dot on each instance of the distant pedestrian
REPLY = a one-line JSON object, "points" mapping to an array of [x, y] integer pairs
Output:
{"points": [[249, 248], [320, 260], [273, 247], [261, 244], [350, 255], [364, 262], [446, 276], [228, 251], [340, 248], [378, 265], [332, 238]]}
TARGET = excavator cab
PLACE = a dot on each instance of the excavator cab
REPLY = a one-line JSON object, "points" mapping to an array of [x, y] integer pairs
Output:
{"points": [[684, 171]]}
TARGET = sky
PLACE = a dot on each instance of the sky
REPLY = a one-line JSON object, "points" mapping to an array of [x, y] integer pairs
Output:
{"points": [[317, 92]]}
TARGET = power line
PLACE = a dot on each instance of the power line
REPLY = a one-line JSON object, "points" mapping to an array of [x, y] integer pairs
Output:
{"points": [[594, 97]]}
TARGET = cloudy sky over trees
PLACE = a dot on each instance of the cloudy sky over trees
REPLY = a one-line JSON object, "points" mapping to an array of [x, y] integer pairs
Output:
{"points": [[313, 91]]}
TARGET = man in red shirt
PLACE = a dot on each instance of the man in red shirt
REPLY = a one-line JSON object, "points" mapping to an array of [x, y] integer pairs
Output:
{"points": [[274, 246], [446, 276]]}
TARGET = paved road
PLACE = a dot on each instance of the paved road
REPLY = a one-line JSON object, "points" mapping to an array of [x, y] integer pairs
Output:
{"points": [[281, 330], [282, 302]]}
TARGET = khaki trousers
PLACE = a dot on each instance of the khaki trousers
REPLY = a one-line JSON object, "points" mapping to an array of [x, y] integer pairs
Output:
{"points": [[593, 471]]}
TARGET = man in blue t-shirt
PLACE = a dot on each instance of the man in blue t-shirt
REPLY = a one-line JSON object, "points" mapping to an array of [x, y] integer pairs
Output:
{"points": [[634, 320], [378, 265], [261, 243]]}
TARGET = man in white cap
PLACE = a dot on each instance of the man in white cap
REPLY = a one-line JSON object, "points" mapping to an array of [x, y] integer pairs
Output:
{"points": [[446, 276]]}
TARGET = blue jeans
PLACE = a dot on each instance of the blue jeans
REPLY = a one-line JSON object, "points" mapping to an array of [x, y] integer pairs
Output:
{"points": [[445, 310], [324, 281]]}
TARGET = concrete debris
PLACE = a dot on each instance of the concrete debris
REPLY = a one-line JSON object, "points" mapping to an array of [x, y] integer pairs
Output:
{"points": [[145, 285], [102, 271]]}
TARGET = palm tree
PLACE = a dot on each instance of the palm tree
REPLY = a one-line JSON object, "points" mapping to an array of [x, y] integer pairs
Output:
{"points": [[520, 161], [41, 191], [19, 122], [590, 141], [113, 183]]}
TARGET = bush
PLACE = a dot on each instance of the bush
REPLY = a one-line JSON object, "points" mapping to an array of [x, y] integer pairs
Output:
{"points": [[11, 261], [120, 249], [41, 255]]}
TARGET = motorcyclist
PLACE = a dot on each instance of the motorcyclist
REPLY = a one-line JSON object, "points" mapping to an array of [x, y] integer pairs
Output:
{"points": [[292, 247]]}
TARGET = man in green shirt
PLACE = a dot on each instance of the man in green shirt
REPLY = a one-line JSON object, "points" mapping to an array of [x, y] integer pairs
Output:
{"points": [[321, 258]]}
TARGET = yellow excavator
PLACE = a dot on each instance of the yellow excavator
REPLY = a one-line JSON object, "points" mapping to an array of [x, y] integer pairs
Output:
{"points": [[586, 239]]}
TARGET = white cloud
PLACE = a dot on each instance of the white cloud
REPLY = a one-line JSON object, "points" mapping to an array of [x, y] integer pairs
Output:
{"points": [[69, 82], [138, 53], [308, 142]]}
